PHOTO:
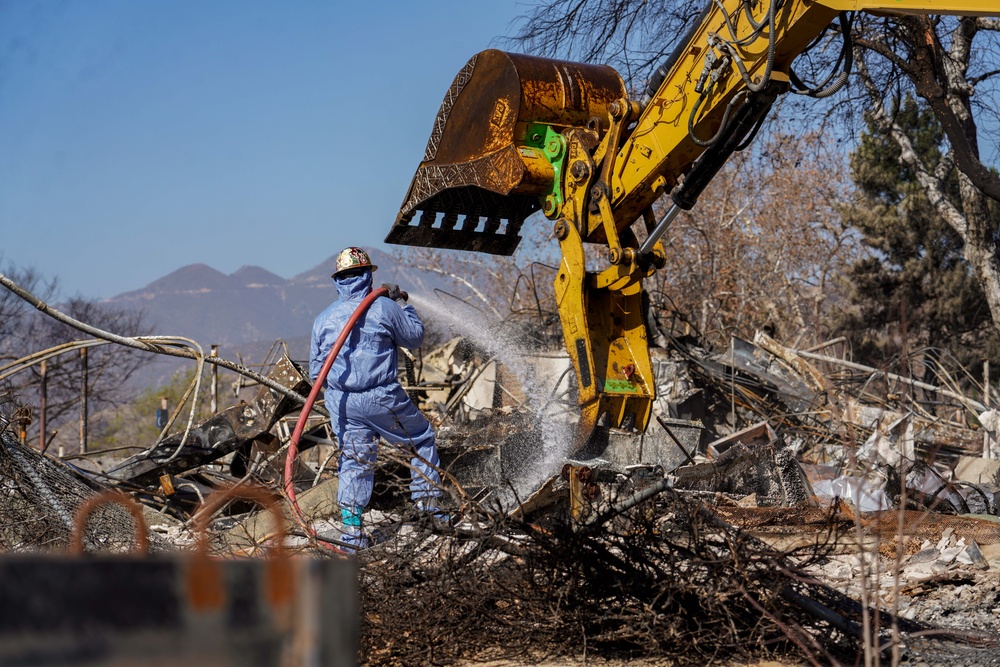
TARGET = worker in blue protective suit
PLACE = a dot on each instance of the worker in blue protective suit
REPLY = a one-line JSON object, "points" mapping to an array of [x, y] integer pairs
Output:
{"points": [[363, 394]]}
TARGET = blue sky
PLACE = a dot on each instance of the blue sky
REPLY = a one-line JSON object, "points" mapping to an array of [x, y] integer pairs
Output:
{"points": [[137, 137]]}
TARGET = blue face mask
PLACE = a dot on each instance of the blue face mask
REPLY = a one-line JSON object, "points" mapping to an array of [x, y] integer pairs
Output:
{"points": [[354, 286]]}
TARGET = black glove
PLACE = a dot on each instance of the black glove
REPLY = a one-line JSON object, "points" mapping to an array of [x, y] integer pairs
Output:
{"points": [[394, 293]]}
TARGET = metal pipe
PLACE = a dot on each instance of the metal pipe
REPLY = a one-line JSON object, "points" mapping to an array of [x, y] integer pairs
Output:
{"points": [[215, 382], [676, 441], [84, 396], [645, 494], [43, 392], [658, 231], [969, 402], [155, 344], [34, 358], [817, 348], [986, 383]]}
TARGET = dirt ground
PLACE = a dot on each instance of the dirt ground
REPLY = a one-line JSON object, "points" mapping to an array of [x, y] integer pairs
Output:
{"points": [[591, 662]]}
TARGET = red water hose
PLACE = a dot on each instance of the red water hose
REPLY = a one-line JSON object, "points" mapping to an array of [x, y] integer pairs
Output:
{"points": [[318, 384]]}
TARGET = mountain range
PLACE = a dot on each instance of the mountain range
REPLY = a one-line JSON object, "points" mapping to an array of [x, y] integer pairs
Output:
{"points": [[245, 312]]}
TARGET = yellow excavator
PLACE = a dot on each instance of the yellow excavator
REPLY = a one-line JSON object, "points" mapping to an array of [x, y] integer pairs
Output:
{"points": [[517, 134]]}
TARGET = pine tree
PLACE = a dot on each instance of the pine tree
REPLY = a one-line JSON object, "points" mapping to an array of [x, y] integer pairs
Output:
{"points": [[915, 281]]}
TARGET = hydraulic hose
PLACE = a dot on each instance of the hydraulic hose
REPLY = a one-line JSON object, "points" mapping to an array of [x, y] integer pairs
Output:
{"points": [[660, 75], [293, 443]]}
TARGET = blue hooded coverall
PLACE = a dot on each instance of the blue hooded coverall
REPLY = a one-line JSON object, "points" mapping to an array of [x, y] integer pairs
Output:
{"points": [[364, 396]]}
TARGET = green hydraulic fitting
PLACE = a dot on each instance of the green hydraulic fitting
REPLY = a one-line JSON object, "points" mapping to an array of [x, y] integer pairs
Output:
{"points": [[552, 146]]}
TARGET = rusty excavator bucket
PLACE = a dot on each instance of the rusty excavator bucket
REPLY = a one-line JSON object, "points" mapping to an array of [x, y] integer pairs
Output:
{"points": [[486, 168]]}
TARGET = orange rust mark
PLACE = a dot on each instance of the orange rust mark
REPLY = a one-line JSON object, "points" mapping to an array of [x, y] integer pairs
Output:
{"points": [[204, 584], [108, 498]]}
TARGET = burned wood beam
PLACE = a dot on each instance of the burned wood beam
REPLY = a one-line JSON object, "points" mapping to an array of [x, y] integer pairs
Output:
{"points": [[219, 435]]}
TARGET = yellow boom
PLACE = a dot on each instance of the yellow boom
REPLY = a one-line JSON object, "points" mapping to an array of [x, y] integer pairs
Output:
{"points": [[517, 134]]}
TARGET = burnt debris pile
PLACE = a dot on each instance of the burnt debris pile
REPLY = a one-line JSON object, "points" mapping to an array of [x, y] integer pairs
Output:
{"points": [[781, 502], [40, 498]]}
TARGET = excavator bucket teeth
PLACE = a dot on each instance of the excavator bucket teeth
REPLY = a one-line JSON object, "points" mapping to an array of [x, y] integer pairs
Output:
{"points": [[482, 173], [465, 218]]}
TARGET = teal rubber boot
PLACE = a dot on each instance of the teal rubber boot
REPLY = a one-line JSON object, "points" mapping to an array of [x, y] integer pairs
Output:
{"points": [[351, 533]]}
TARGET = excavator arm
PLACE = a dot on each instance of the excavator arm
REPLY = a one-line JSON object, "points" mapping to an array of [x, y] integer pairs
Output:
{"points": [[517, 134]]}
